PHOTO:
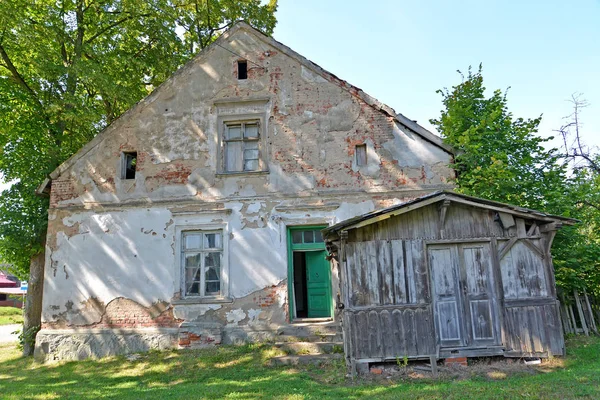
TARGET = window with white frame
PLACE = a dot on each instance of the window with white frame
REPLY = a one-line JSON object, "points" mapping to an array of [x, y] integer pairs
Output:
{"points": [[241, 146], [201, 259]]}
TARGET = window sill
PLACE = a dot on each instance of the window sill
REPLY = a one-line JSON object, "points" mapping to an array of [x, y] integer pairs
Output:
{"points": [[202, 300], [243, 173]]}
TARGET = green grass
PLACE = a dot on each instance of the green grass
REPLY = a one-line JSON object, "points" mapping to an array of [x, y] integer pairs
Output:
{"points": [[10, 315], [242, 373]]}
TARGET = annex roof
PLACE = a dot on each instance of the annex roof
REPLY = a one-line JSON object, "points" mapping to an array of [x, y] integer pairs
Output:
{"points": [[355, 91], [379, 215]]}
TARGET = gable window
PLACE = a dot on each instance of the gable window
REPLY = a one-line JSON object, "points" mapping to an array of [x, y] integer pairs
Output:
{"points": [[201, 259], [361, 155], [128, 165], [241, 146], [242, 69]]}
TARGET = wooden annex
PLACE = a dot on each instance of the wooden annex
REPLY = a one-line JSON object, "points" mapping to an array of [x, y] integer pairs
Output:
{"points": [[447, 275]]}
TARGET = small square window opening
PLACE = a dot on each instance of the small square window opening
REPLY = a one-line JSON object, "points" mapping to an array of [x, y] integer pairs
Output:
{"points": [[128, 167], [361, 155], [242, 69]]}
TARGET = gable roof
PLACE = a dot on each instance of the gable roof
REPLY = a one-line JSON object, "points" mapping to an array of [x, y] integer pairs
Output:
{"points": [[355, 91], [443, 195]]}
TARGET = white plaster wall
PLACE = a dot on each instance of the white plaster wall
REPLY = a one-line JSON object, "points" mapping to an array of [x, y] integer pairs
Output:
{"points": [[133, 253]]}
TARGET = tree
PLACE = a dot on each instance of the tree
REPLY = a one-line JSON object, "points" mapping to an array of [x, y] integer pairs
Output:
{"points": [[577, 250], [68, 68], [501, 158]]}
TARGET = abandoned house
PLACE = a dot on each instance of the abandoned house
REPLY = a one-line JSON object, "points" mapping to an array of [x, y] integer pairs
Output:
{"points": [[195, 218], [447, 276]]}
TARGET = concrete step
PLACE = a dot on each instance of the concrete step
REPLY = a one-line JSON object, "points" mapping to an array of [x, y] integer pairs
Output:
{"points": [[314, 359], [301, 348], [326, 337], [310, 329]]}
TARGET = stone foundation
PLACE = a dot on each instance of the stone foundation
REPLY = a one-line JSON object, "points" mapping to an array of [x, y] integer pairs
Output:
{"points": [[80, 344]]}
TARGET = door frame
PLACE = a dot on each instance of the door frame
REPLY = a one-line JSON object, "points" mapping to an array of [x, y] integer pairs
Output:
{"points": [[290, 270], [466, 326]]}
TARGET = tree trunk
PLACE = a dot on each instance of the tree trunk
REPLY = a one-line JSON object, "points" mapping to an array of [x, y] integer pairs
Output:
{"points": [[33, 304]]}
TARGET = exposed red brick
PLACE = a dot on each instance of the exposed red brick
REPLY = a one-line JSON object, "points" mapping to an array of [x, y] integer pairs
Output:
{"points": [[456, 361]]}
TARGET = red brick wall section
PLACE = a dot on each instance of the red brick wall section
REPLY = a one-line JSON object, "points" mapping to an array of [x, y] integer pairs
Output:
{"points": [[61, 190], [192, 340], [125, 313], [266, 297]]}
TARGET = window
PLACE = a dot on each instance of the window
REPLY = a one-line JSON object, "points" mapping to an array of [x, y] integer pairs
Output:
{"points": [[128, 164], [242, 69], [361, 155], [307, 236], [202, 256], [241, 144]]}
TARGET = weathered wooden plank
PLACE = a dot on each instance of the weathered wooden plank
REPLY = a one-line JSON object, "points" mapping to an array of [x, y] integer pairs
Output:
{"points": [[420, 271], [402, 334], [398, 272], [385, 275], [387, 334], [362, 334], [374, 334], [372, 277], [580, 312]]}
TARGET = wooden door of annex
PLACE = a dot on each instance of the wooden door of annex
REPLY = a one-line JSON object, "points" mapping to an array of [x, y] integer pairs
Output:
{"points": [[464, 295]]}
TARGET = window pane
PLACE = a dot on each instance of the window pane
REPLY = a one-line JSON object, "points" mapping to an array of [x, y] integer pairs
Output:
{"points": [[251, 131], [213, 288], [212, 260], [251, 165], [361, 155], [309, 237], [250, 154], [233, 156], [212, 276], [296, 237], [212, 241], [192, 281], [192, 260], [318, 236], [192, 240], [234, 132]]}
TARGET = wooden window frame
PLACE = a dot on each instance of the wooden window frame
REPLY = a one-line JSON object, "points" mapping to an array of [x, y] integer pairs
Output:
{"points": [[243, 140], [228, 120], [184, 297]]}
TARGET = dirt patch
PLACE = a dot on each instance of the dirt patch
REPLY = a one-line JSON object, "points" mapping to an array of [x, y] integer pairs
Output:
{"points": [[491, 368]]}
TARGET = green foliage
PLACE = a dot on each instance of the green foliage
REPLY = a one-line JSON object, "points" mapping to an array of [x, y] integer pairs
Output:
{"points": [[27, 336], [68, 68], [502, 158], [498, 157]]}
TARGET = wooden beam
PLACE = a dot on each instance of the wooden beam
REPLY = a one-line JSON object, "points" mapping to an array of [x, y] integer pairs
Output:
{"points": [[533, 247], [502, 252], [443, 209], [531, 230], [554, 226]]}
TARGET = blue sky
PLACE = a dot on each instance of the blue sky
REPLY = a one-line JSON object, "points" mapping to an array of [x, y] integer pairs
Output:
{"points": [[401, 52]]}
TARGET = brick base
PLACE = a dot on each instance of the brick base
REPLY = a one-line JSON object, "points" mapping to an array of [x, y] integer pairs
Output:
{"points": [[456, 361]]}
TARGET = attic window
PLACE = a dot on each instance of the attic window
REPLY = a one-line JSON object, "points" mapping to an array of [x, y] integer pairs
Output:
{"points": [[361, 155], [128, 164], [242, 69]]}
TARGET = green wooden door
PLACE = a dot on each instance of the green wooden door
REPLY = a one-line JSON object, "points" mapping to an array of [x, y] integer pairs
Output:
{"points": [[318, 284]]}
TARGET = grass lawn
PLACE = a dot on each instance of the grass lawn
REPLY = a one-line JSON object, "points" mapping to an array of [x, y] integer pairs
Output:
{"points": [[242, 373], [10, 315]]}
